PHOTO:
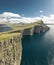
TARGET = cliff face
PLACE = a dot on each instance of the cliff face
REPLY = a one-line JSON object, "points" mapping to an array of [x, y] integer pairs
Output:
{"points": [[11, 47], [40, 28], [11, 51]]}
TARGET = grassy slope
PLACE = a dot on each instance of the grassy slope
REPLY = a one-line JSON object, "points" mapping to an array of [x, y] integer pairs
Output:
{"points": [[20, 27], [16, 27], [7, 35]]}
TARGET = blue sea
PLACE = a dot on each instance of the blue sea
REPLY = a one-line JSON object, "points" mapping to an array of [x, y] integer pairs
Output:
{"points": [[38, 49]]}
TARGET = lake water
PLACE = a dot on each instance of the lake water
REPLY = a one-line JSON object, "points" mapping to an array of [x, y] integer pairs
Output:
{"points": [[4, 28], [39, 48]]}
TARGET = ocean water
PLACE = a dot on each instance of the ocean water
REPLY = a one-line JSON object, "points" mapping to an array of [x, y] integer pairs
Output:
{"points": [[39, 48]]}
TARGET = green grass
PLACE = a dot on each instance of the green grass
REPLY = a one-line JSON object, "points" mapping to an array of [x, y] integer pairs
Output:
{"points": [[7, 35], [17, 27], [21, 27]]}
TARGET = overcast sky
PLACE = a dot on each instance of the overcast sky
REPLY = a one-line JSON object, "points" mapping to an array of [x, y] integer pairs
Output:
{"points": [[28, 8]]}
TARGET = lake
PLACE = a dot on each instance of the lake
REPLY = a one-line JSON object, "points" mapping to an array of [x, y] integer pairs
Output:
{"points": [[4, 28], [39, 48]]}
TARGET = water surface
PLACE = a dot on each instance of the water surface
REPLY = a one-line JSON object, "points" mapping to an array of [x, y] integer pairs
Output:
{"points": [[38, 49], [4, 28]]}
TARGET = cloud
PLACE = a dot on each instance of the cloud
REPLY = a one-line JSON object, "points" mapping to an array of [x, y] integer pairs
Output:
{"points": [[48, 19], [10, 17], [16, 18], [41, 11], [9, 14]]}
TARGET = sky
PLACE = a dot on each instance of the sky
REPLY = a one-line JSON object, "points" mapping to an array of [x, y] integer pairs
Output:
{"points": [[28, 8]]}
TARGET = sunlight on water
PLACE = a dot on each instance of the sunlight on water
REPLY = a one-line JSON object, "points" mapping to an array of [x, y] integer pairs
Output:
{"points": [[50, 37], [50, 34]]}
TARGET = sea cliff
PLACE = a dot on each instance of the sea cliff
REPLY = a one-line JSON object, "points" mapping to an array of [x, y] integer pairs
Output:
{"points": [[11, 50], [11, 45]]}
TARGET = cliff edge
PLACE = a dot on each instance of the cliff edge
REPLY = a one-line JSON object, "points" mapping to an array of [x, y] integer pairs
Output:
{"points": [[10, 42], [10, 49]]}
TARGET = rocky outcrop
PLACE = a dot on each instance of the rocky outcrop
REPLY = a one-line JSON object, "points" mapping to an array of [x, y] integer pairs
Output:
{"points": [[38, 28], [28, 31], [11, 51]]}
